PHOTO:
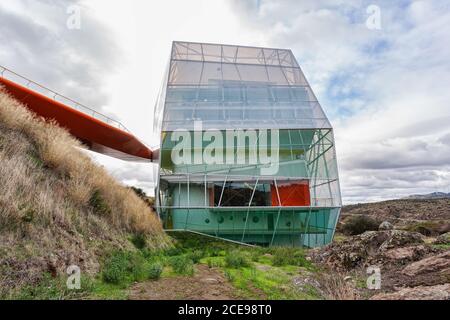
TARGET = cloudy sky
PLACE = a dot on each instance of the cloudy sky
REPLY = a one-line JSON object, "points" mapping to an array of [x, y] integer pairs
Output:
{"points": [[384, 83]]}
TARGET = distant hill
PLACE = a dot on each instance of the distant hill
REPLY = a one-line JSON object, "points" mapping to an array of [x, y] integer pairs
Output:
{"points": [[427, 216], [403, 209], [433, 195]]}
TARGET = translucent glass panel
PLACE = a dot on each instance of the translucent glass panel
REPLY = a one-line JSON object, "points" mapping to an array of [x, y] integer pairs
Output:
{"points": [[249, 106], [236, 86], [287, 227], [241, 192], [232, 54], [245, 94], [222, 88], [160, 105], [206, 73], [291, 146]]}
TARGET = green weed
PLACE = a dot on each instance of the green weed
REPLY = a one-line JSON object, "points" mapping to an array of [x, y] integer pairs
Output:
{"points": [[237, 259], [182, 265]]}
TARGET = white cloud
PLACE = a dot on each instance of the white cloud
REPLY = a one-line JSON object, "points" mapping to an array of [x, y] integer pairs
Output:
{"points": [[386, 91]]}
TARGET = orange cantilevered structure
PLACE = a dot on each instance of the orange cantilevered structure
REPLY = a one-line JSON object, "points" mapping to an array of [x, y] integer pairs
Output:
{"points": [[96, 131]]}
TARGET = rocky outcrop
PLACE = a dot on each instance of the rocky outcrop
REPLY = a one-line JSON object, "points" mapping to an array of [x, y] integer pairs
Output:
{"points": [[399, 238], [439, 264], [411, 253], [443, 239], [403, 209], [439, 292], [385, 225], [371, 247]]}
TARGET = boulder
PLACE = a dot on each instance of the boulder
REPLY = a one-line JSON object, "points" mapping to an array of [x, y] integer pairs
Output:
{"points": [[438, 264], [443, 239], [385, 225], [400, 238], [411, 253], [439, 292]]}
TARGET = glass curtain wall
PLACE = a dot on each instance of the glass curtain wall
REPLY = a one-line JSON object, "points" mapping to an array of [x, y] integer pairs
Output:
{"points": [[245, 100]]}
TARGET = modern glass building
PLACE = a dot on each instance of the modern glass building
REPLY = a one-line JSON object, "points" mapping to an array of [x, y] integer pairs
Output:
{"points": [[247, 153]]}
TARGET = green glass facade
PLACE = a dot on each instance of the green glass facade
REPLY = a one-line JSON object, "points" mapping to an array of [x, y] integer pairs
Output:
{"points": [[232, 108]]}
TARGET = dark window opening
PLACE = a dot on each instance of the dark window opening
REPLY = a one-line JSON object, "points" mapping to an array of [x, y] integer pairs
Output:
{"points": [[238, 194]]}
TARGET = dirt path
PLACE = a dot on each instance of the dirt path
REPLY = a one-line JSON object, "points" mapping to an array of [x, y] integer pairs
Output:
{"points": [[206, 284]]}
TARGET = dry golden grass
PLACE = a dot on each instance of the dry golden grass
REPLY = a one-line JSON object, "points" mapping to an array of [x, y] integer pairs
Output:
{"points": [[80, 176], [335, 287], [55, 201]]}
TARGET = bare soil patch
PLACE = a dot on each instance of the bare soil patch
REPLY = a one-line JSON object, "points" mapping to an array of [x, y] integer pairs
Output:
{"points": [[206, 284]]}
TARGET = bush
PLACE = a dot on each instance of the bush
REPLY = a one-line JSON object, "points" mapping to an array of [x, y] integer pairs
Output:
{"points": [[196, 255], [256, 253], [214, 262], [115, 268], [213, 251], [229, 276], [123, 267], [173, 251], [427, 228], [154, 271], [182, 265], [137, 267], [359, 224], [236, 259], [284, 256], [139, 240]]}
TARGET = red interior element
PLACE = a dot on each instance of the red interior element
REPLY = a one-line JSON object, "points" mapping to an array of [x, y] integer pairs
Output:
{"points": [[292, 194], [211, 196], [95, 134]]}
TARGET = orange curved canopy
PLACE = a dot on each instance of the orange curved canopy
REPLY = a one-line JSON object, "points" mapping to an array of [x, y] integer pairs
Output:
{"points": [[95, 134]]}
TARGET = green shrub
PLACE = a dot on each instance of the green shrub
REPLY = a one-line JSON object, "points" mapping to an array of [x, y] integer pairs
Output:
{"points": [[229, 276], [214, 262], [213, 251], [139, 240], [284, 256], [124, 267], [154, 271], [137, 267], [116, 268], [152, 254], [174, 251], [237, 259], [182, 265], [359, 224], [196, 255], [255, 255]]}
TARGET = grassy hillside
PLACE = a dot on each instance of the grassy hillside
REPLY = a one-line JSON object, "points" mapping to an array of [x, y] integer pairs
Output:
{"points": [[58, 208]]}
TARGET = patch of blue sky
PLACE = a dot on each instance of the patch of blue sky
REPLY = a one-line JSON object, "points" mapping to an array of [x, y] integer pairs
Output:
{"points": [[376, 47], [344, 96]]}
